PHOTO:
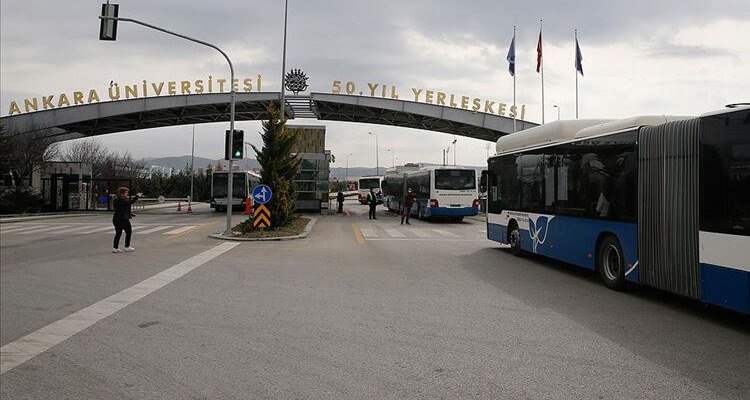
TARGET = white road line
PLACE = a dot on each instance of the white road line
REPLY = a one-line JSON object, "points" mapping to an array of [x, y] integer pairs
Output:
{"points": [[24, 349], [179, 230], [394, 233], [446, 233], [421, 233], [368, 233], [44, 229], [74, 229], [104, 228], [152, 230], [19, 228]]}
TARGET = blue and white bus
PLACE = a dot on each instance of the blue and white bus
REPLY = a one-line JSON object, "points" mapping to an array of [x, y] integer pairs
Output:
{"points": [[659, 201], [439, 192]]}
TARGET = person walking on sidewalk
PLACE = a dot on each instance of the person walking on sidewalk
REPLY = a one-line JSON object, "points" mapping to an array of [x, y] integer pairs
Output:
{"points": [[408, 203], [121, 218], [372, 200]]}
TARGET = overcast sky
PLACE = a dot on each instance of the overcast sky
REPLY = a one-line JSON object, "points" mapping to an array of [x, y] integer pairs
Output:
{"points": [[639, 57]]}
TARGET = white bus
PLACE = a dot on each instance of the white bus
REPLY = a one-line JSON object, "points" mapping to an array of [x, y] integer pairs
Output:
{"points": [[243, 184], [659, 201], [439, 192], [364, 185]]}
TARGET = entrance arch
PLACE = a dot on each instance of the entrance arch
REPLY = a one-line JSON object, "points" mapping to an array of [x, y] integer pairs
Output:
{"points": [[154, 112]]}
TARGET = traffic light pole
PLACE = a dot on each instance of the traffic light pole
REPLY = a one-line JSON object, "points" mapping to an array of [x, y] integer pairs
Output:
{"points": [[228, 230]]}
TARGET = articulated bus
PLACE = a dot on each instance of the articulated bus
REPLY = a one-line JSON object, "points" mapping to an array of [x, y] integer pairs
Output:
{"points": [[658, 201], [439, 192], [243, 183], [364, 185]]}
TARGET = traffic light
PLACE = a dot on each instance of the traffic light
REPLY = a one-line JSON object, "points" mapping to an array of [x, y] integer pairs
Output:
{"points": [[234, 147]]}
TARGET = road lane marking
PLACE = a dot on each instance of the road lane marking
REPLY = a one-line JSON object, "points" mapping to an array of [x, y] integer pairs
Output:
{"points": [[421, 233], [74, 229], [24, 349], [358, 234], [105, 228], [19, 228], [44, 229], [394, 233], [368, 233], [152, 230], [446, 233], [179, 230]]}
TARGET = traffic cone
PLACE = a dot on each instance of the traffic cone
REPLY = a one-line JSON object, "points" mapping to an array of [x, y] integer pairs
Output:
{"points": [[190, 209], [179, 206]]}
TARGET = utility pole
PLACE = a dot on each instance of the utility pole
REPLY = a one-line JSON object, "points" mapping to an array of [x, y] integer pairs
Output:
{"points": [[377, 158]]}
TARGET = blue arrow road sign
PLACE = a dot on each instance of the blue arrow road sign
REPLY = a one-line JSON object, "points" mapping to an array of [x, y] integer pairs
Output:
{"points": [[262, 194]]}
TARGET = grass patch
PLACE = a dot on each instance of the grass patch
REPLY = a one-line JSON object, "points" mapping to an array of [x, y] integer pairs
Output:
{"points": [[246, 230]]}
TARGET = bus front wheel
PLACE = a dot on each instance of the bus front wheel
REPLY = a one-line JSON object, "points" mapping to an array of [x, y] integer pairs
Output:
{"points": [[610, 263]]}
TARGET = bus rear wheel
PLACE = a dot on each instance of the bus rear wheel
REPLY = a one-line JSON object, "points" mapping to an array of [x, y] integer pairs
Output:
{"points": [[610, 263], [514, 239]]}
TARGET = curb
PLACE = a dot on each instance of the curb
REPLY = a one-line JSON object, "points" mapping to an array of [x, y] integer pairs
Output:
{"points": [[304, 234]]}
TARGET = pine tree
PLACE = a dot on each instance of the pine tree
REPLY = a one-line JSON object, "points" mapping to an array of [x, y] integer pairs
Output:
{"points": [[279, 166]]}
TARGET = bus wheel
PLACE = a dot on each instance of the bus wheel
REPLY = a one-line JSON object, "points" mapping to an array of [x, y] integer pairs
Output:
{"points": [[610, 263], [514, 239]]}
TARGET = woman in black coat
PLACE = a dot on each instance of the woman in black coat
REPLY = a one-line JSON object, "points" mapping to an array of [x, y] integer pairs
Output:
{"points": [[121, 218]]}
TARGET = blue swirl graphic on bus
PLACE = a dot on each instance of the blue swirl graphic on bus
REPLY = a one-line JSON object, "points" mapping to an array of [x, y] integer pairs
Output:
{"points": [[538, 229]]}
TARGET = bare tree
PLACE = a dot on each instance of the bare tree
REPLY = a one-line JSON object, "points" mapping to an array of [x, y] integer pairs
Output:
{"points": [[22, 154], [117, 165], [90, 151]]}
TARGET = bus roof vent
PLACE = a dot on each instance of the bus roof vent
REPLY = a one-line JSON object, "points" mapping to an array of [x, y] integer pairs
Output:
{"points": [[544, 134], [621, 124]]}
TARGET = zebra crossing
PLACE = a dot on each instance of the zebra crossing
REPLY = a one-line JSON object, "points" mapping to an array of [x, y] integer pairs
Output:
{"points": [[60, 229], [379, 232]]}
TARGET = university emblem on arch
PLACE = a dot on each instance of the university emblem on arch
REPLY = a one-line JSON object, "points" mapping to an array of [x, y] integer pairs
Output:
{"points": [[295, 81], [261, 216]]}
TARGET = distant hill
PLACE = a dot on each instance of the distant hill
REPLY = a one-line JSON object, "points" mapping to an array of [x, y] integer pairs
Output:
{"points": [[180, 162], [338, 173]]}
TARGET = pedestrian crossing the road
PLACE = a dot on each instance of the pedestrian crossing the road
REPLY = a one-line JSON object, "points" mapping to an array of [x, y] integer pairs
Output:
{"points": [[58, 229], [378, 232]]}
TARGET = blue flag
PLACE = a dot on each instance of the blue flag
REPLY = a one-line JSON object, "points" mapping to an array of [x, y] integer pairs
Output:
{"points": [[579, 59], [511, 57]]}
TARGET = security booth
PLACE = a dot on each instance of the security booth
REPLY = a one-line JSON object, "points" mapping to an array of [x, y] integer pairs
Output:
{"points": [[65, 186], [311, 184]]}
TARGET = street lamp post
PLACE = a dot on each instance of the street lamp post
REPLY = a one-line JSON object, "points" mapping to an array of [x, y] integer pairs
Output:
{"points": [[346, 178], [377, 158], [192, 172], [454, 150], [558, 110], [393, 157], [228, 230]]}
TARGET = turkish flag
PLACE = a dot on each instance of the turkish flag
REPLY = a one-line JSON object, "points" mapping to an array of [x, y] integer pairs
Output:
{"points": [[539, 52]]}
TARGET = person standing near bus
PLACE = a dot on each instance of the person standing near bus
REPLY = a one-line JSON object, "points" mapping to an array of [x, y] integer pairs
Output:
{"points": [[121, 218], [372, 200], [340, 200], [408, 203]]}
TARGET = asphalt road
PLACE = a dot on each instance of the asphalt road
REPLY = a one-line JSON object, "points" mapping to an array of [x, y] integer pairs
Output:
{"points": [[360, 309]]}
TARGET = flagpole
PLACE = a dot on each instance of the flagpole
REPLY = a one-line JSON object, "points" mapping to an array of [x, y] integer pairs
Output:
{"points": [[575, 70], [541, 22], [514, 78]]}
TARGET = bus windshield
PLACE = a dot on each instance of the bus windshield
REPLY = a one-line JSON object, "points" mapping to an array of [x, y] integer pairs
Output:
{"points": [[238, 186], [455, 179], [367, 183]]}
